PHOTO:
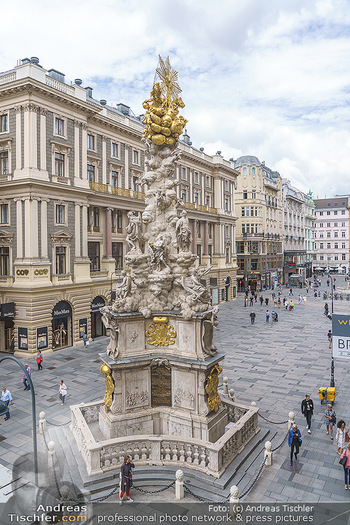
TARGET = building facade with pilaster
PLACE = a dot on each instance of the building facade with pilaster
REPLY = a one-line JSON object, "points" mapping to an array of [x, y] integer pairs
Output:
{"points": [[259, 225], [70, 170], [332, 234]]}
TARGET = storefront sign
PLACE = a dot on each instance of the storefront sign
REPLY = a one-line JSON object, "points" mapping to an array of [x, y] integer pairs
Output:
{"points": [[7, 311], [41, 337], [62, 309], [23, 338], [341, 336], [82, 327], [97, 304]]}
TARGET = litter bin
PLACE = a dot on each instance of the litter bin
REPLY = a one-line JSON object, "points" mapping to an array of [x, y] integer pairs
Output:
{"points": [[327, 394]]}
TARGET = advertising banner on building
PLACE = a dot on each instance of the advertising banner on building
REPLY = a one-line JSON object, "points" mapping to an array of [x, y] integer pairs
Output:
{"points": [[41, 337], [341, 336]]}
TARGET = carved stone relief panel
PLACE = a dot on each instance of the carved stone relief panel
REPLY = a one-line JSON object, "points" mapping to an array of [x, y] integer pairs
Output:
{"points": [[136, 389], [184, 389]]}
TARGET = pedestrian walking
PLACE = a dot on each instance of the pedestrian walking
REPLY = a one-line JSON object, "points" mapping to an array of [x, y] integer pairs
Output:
{"points": [[315, 295], [246, 301], [330, 419], [346, 467], [24, 379], [62, 391], [299, 299], [307, 289], [85, 338], [304, 299], [340, 437], [294, 441], [291, 306], [251, 300], [286, 305], [279, 302], [273, 295], [126, 479], [327, 282], [284, 300], [307, 409], [252, 317], [7, 399], [329, 336], [39, 360], [290, 291], [267, 316], [326, 309], [266, 301], [261, 299]]}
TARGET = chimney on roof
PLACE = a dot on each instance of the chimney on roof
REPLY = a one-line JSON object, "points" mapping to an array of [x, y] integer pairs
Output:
{"points": [[103, 102], [89, 91], [201, 149], [78, 81], [218, 153], [34, 60]]}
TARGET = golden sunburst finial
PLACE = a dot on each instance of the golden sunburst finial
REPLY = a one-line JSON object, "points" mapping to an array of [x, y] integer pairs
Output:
{"points": [[168, 77]]}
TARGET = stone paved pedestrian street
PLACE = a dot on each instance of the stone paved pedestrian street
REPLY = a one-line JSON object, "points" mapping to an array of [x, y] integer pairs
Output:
{"points": [[273, 364]]}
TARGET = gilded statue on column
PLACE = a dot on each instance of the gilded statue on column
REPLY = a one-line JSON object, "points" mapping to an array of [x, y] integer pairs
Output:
{"points": [[108, 400], [164, 125], [211, 388]]}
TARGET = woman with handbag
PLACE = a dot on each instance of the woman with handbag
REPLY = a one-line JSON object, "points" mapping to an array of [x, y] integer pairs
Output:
{"points": [[330, 419], [345, 461], [126, 480], [341, 436]]}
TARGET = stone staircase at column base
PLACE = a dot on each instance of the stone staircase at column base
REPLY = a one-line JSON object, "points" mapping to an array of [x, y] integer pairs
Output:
{"points": [[240, 472]]}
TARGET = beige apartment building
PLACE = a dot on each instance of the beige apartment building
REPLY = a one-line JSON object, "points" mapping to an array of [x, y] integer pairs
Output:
{"points": [[70, 168], [259, 236]]}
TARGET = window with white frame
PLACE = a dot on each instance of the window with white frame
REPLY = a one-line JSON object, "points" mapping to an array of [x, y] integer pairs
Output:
{"points": [[343, 212], [321, 245], [335, 234], [244, 171], [196, 198], [328, 234], [4, 163], [343, 256], [59, 126], [115, 150], [4, 213], [196, 177], [253, 171], [336, 212], [321, 257], [91, 142], [328, 212], [95, 217], [328, 224], [135, 183], [253, 194], [4, 123], [343, 234], [91, 172], [343, 245], [335, 225], [114, 179], [336, 257], [135, 157], [183, 195], [4, 261], [60, 214], [328, 245], [61, 260], [342, 224], [183, 173], [59, 165], [336, 245]]}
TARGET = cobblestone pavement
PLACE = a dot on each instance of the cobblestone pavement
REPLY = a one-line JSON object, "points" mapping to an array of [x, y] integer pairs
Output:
{"points": [[273, 364]]}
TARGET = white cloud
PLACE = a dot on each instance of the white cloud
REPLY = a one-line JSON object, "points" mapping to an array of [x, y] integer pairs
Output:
{"points": [[269, 79]]}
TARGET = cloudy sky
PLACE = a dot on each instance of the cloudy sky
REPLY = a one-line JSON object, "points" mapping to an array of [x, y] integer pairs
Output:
{"points": [[267, 78]]}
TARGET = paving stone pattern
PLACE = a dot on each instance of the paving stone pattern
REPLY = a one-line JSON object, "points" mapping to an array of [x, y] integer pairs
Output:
{"points": [[273, 364]]}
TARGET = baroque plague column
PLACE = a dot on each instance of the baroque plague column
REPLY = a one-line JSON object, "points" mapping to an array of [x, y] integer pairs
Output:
{"points": [[161, 367]]}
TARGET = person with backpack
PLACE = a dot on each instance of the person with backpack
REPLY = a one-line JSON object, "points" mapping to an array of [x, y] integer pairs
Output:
{"points": [[39, 360]]}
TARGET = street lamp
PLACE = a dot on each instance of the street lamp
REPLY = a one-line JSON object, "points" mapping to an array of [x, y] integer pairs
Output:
{"points": [[35, 448], [332, 383]]}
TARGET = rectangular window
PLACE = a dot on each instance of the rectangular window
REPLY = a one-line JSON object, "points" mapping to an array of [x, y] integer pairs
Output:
{"points": [[114, 179], [328, 234], [196, 198], [321, 212], [253, 194], [343, 256], [96, 217], [321, 257], [336, 246], [241, 264], [135, 157], [3, 123], [328, 245], [335, 212], [61, 260], [4, 260], [245, 194], [117, 253], [91, 172], [119, 221], [59, 126], [135, 183], [91, 142], [199, 253], [321, 235], [59, 165], [343, 245], [227, 207], [335, 225], [94, 255], [328, 212], [328, 224], [335, 234], [183, 195], [343, 234], [321, 245], [207, 181], [183, 173], [242, 211], [4, 213], [4, 163], [115, 152], [60, 214], [336, 257], [320, 225], [196, 177], [343, 212], [342, 224], [252, 211]]}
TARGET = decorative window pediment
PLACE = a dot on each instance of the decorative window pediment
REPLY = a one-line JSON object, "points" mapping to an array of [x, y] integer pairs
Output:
{"points": [[6, 238], [61, 237]]}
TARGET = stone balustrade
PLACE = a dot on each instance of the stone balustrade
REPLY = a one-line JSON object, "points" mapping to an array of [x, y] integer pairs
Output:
{"points": [[211, 458]]}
